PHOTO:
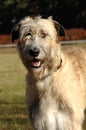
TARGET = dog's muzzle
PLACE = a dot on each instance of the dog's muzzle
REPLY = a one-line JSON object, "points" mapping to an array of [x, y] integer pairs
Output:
{"points": [[33, 53]]}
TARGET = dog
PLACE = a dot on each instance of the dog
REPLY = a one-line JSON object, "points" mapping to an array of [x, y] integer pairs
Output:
{"points": [[56, 79]]}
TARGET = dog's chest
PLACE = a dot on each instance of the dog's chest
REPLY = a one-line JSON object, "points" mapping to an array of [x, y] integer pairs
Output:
{"points": [[45, 84], [52, 112], [49, 115]]}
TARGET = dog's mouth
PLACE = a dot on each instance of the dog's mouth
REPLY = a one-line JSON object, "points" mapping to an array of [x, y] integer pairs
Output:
{"points": [[36, 63]]}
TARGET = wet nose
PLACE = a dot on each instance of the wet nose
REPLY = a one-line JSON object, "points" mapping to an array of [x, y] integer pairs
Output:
{"points": [[34, 52]]}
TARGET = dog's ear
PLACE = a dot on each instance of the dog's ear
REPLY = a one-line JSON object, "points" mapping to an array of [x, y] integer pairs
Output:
{"points": [[60, 29], [15, 32]]}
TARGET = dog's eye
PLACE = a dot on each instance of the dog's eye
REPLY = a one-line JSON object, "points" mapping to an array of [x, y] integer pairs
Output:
{"points": [[43, 34], [28, 34]]}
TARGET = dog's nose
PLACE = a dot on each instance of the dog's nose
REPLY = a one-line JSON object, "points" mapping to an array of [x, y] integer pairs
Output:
{"points": [[34, 52]]}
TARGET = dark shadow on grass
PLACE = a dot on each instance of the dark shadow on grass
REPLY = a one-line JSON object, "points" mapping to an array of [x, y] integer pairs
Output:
{"points": [[12, 108], [14, 120], [9, 103], [13, 115]]}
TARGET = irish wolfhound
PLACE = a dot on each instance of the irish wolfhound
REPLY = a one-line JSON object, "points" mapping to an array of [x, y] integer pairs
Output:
{"points": [[56, 79]]}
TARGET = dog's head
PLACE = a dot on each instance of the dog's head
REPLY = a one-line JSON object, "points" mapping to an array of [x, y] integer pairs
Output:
{"points": [[38, 41]]}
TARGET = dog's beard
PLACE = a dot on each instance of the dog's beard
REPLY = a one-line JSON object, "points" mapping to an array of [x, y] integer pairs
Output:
{"points": [[43, 68], [35, 66], [37, 70]]}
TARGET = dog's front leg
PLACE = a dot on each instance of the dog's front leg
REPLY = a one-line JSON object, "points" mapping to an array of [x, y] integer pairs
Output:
{"points": [[33, 112]]}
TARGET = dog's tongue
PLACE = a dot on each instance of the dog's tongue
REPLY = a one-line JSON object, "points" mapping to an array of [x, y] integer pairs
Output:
{"points": [[36, 64]]}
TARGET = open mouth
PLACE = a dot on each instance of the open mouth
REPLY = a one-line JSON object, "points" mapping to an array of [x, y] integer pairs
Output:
{"points": [[36, 63]]}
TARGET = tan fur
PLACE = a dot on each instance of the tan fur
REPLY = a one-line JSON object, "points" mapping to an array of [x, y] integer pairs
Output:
{"points": [[56, 92]]}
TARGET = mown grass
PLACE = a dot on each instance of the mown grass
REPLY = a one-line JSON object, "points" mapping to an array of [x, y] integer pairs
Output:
{"points": [[13, 115], [12, 92]]}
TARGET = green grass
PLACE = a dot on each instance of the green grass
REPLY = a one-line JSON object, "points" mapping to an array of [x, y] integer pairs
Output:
{"points": [[12, 93], [13, 115]]}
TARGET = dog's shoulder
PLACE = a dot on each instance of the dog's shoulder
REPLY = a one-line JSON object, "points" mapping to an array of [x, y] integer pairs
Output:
{"points": [[73, 51], [76, 56]]}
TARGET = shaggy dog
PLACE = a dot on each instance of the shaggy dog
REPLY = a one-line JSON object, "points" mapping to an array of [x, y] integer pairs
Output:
{"points": [[56, 79]]}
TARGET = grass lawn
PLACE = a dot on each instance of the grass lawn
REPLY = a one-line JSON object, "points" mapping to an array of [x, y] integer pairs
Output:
{"points": [[12, 92], [13, 114]]}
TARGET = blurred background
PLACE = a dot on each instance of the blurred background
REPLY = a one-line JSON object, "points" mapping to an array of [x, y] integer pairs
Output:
{"points": [[70, 13]]}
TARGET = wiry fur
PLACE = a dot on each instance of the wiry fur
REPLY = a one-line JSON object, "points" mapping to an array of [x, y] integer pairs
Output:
{"points": [[56, 97]]}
